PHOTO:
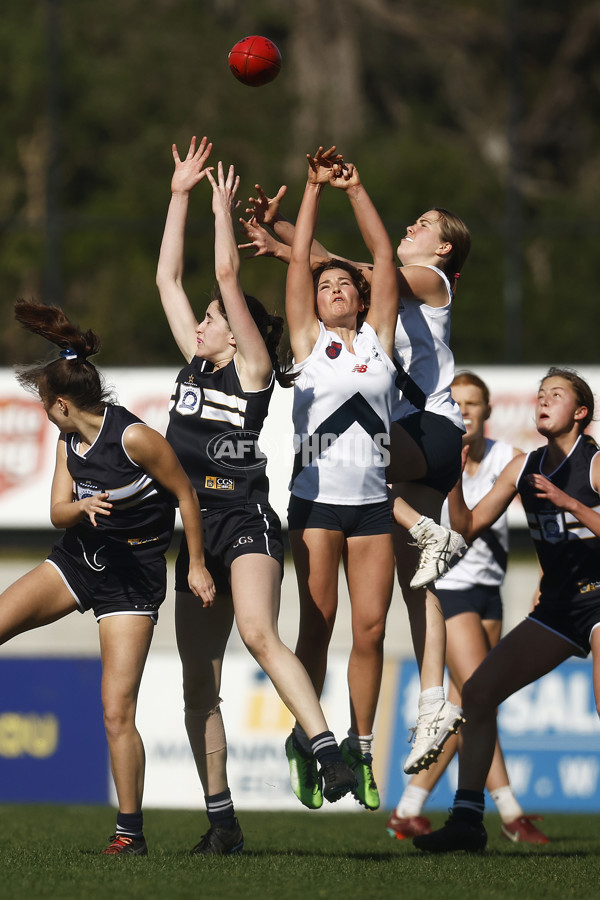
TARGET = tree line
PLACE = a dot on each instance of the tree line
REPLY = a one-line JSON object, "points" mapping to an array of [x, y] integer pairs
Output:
{"points": [[487, 108]]}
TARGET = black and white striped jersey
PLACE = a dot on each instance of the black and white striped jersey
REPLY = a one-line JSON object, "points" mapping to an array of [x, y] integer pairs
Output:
{"points": [[214, 427]]}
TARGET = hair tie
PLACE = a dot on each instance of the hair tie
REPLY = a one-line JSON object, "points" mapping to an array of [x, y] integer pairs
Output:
{"points": [[272, 320], [456, 276], [68, 353]]}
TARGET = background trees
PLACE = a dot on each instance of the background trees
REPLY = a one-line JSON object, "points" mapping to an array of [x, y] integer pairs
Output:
{"points": [[488, 108]]}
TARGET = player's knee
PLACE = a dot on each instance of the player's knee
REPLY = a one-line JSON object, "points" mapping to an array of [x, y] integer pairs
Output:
{"points": [[476, 701], [200, 688], [259, 642], [316, 630], [369, 637], [118, 719]]}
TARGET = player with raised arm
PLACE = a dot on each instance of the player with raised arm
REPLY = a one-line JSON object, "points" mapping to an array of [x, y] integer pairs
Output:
{"points": [[222, 394]]}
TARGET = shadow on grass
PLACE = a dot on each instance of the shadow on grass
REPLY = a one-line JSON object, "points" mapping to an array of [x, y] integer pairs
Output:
{"points": [[256, 854], [526, 850]]}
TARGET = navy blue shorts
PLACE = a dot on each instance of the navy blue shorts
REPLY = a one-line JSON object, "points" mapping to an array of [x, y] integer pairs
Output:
{"points": [[352, 521], [572, 618], [484, 600], [440, 442], [110, 577], [229, 533]]}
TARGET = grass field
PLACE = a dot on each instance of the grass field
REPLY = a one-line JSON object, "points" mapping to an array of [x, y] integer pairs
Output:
{"points": [[53, 851]]}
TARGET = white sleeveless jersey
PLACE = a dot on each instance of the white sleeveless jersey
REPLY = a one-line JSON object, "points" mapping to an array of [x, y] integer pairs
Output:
{"points": [[421, 348], [341, 415], [485, 560]]}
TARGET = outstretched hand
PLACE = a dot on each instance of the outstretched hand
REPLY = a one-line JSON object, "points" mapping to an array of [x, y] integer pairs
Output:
{"points": [[263, 209], [320, 165], [344, 175], [96, 505], [259, 239], [546, 490], [224, 189], [189, 171]]}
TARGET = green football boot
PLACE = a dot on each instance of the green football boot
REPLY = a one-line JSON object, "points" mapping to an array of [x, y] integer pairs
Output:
{"points": [[304, 775], [362, 765]]}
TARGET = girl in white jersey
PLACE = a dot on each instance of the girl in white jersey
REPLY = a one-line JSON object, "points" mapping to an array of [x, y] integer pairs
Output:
{"points": [[470, 597], [338, 508], [426, 435]]}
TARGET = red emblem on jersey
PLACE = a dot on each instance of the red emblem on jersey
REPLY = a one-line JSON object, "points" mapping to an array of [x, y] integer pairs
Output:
{"points": [[360, 367], [333, 350]]}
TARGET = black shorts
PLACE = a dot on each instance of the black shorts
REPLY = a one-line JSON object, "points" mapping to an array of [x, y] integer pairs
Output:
{"points": [[440, 442], [111, 578], [482, 599], [352, 521], [572, 619], [229, 533]]}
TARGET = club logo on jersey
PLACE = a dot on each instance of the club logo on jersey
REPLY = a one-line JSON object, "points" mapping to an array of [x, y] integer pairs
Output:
{"points": [[216, 483], [190, 398], [85, 489], [237, 450], [360, 367], [333, 350]]}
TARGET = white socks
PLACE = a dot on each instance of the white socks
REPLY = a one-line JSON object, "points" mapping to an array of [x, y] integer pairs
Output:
{"points": [[506, 804], [421, 526], [431, 698], [360, 742], [411, 802]]}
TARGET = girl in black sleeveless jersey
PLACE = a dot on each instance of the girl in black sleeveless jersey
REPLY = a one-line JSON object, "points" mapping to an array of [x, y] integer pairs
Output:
{"points": [[114, 490], [215, 420], [559, 485]]}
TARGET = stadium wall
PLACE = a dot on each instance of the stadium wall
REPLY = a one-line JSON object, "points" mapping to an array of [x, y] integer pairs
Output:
{"points": [[28, 440], [53, 749]]}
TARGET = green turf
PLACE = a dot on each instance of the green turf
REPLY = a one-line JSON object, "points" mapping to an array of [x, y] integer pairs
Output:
{"points": [[53, 851]]}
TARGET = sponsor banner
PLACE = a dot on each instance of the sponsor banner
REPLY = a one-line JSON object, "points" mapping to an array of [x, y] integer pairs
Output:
{"points": [[256, 723], [52, 742], [549, 733], [28, 440], [53, 747]]}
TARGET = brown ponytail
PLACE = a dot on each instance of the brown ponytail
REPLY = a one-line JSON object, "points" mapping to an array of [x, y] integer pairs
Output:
{"points": [[71, 375]]}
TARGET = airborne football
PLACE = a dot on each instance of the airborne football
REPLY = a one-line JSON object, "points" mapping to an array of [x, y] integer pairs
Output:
{"points": [[255, 60]]}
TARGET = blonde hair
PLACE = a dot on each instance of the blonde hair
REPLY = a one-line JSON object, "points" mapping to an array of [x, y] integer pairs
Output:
{"points": [[453, 230]]}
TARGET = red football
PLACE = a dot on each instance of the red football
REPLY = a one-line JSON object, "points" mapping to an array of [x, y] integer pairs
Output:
{"points": [[255, 60]]}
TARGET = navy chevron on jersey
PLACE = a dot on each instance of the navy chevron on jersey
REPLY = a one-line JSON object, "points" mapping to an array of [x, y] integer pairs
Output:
{"points": [[569, 553], [142, 510], [214, 427], [341, 414]]}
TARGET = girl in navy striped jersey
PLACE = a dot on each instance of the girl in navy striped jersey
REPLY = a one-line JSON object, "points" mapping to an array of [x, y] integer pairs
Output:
{"points": [[215, 420], [114, 490], [559, 486]]}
